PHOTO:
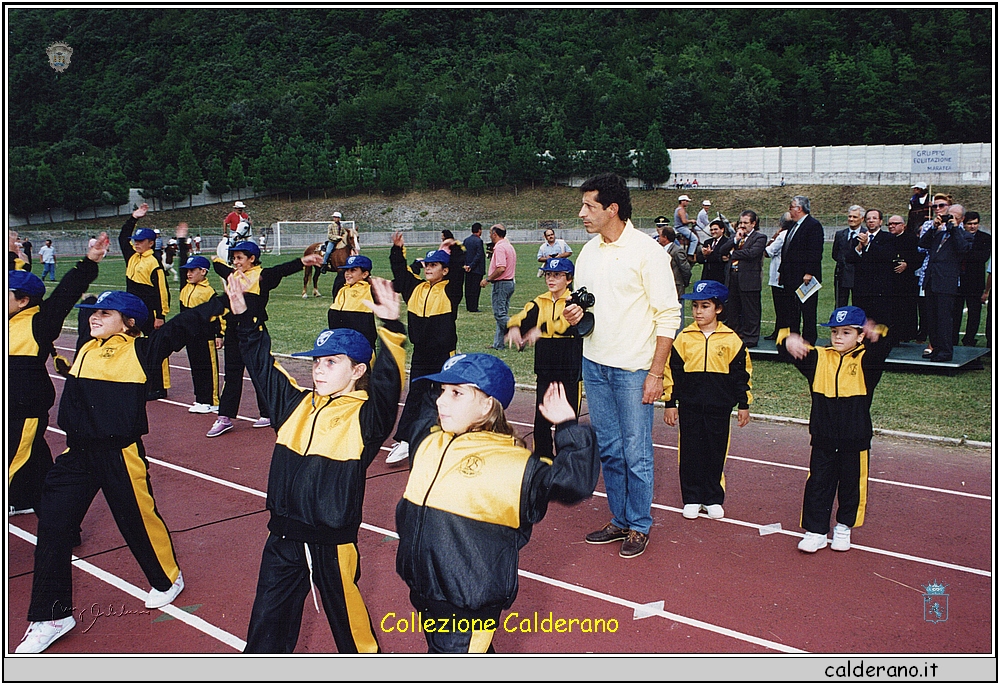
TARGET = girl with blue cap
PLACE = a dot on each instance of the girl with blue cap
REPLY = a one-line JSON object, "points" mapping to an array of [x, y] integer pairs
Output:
{"points": [[473, 495], [327, 439], [103, 413]]}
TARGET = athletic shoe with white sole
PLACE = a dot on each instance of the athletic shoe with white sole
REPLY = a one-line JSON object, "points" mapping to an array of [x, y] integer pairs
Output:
{"points": [[199, 408], [41, 634], [17, 512], [715, 511], [691, 511], [221, 425], [262, 422], [812, 542], [157, 599], [841, 538], [399, 452]]}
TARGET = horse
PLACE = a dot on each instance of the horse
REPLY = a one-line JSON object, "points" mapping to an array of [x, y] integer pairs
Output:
{"points": [[168, 258], [337, 259]]}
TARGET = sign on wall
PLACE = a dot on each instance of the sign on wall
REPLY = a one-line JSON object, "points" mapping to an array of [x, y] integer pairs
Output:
{"points": [[934, 160]]}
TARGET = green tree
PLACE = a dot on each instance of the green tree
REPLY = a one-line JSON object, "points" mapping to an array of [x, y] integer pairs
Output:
{"points": [[217, 183], [116, 188], [237, 179], [151, 178], [189, 176], [652, 163]]}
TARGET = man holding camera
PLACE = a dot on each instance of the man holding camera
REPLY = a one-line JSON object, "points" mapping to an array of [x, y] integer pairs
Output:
{"points": [[630, 278], [946, 246]]}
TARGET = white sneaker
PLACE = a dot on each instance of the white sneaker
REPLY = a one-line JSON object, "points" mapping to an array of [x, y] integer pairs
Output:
{"points": [[41, 634], [812, 542], [17, 512], [841, 538], [399, 452], [199, 408], [262, 422], [715, 511], [157, 599], [691, 511]]}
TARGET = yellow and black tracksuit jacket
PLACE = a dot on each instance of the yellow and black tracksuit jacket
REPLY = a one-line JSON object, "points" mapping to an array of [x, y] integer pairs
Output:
{"points": [[262, 280], [15, 263], [144, 276], [194, 294], [349, 311], [469, 506], [31, 334], [842, 386], [708, 372], [316, 485], [104, 401], [560, 349], [431, 310]]}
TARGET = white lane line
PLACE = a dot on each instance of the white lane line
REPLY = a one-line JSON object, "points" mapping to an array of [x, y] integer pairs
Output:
{"points": [[874, 550], [128, 588]]}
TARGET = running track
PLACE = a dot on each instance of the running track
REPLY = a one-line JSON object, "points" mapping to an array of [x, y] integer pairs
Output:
{"points": [[724, 586]]}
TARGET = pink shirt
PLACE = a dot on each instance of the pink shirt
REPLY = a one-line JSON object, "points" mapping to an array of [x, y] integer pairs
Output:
{"points": [[504, 257]]}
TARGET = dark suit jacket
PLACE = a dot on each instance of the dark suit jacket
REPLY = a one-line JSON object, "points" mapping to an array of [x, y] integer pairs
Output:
{"points": [[843, 272], [905, 247], [802, 255], [715, 268], [873, 267], [747, 274], [945, 262], [973, 278], [475, 256]]}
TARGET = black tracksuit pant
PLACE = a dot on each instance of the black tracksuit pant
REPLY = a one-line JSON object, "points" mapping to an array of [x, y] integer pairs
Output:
{"points": [[472, 291], [840, 473], [702, 445], [28, 461], [543, 428], [232, 391], [204, 362]]}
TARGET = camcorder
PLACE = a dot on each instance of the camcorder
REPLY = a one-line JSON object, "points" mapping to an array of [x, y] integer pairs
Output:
{"points": [[584, 300]]}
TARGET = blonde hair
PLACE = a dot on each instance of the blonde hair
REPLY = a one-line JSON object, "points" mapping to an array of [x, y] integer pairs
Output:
{"points": [[496, 422], [943, 196]]}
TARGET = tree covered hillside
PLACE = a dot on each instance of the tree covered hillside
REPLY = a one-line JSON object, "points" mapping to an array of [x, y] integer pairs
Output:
{"points": [[388, 99]]}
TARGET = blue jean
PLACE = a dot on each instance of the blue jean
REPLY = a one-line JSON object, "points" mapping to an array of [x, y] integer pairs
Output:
{"points": [[49, 268], [624, 427], [500, 298]]}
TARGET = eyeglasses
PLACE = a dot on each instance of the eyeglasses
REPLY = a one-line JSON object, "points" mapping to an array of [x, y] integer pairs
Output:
{"points": [[941, 205]]}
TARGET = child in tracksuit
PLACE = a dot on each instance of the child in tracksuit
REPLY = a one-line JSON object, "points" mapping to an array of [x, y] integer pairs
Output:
{"points": [[33, 324], [474, 493], [246, 259], [348, 309], [327, 438], [431, 311], [842, 378], [707, 374], [144, 278], [558, 346], [203, 356], [103, 412]]}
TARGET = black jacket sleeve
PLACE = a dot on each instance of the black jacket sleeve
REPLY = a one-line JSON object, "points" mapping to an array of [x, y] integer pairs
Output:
{"points": [[189, 325], [221, 268], [571, 477], [456, 281], [125, 238], [385, 386], [281, 395], [53, 311], [271, 276], [403, 280]]}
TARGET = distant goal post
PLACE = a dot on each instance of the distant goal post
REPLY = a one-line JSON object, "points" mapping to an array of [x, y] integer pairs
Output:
{"points": [[296, 236]]}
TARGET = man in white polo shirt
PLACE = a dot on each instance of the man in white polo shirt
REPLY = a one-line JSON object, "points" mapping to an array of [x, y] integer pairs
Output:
{"points": [[636, 314]]}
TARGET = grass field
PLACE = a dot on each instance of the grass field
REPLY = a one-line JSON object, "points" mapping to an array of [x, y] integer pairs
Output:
{"points": [[920, 403]]}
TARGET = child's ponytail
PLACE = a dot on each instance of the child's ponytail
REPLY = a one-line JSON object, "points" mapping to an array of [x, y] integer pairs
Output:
{"points": [[496, 422]]}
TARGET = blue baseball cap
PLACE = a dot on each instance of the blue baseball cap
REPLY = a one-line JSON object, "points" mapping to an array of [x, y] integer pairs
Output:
{"points": [[340, 341], [196, 262], [120, 301], [357, 260], [486, 372], [26, 282], [847, 316], [707, 290], [440, 256], [558, 264], [143, 234], [247, 246]]}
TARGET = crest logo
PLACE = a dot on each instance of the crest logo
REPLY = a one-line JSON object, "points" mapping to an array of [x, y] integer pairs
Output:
{"points": [[841, 316], [59, 54], [471, 466], [701, 286], [323, 337], [103, 296], [935, 603], [452, 361], [553, 263]]}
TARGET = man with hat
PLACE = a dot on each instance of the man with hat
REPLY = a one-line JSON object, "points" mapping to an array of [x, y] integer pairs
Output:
{"points": [[203, 357], [33, 324], [334, 239], [231, 224], [701, 223], [144, 278], [920, 207]]}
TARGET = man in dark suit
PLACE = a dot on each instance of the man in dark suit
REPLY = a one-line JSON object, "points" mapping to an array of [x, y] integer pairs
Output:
{"points": [[801, 262], [972, 281], [872, 252], [475, 267], [843, 273], [745, 260], [714, 254], [905, 286], [946, 246]]}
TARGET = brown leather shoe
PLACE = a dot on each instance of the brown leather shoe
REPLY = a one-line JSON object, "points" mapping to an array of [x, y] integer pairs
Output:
{"points": [[609, 533], [634, 544]]}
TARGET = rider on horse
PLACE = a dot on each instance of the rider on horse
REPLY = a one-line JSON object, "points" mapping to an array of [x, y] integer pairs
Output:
{"points": [[336, 238]]}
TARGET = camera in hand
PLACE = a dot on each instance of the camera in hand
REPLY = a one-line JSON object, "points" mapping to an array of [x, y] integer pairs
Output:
{"points": [[585, 301]]}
